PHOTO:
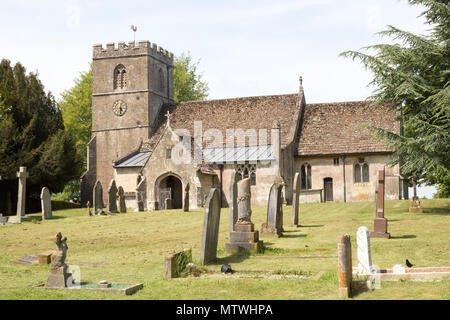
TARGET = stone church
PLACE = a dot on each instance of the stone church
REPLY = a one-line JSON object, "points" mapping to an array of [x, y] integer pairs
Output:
{"points": [[157, 149]]}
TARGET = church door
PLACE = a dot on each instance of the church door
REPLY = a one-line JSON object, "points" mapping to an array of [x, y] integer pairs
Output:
{"points": [[164, 193], [328, 189], [172, 188]]}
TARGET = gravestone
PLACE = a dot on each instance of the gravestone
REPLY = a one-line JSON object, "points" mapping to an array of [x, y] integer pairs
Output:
{"points": [[46, 204], [274, 224], [122, 203], [98, 197], [295, 199], [380, 222], [345, 266], [88, 207], [233, 200], [112, 197], [21, 196], [59, 272], [186, 198], [363, 251], [210, 236], [168, 203], [244, 235], [415, 202]]}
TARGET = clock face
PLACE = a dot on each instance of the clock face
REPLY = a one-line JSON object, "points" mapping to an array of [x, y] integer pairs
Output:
{"points": [[119, 108]]}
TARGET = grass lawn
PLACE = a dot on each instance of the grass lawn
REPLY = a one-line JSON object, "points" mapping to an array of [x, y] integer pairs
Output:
{"points": [[130, 248]]}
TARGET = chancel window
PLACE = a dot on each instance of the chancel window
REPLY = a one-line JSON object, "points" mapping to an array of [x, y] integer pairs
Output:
{"points": [[306, 176], [361, 172], [247, 170], [120, 77]]}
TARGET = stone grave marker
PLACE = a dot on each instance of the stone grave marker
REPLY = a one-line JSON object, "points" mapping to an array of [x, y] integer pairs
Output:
{"points": [[46, 204], [345, 266], [112, 197], [168, 203], [122, 203], [88, 207], [244, 235], [415, 202], [363, 251], [233, 200], [98, 197], [59, 277], [380, 222], [295, 199], [186, 198], [210, 236], [274, 224], [21, 196]]}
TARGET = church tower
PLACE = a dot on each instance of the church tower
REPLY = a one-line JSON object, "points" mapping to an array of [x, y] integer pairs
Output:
{"points": [[130, 84]]}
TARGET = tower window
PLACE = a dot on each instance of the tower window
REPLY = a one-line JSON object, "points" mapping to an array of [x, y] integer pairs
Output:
{"points": [[120, 77]]}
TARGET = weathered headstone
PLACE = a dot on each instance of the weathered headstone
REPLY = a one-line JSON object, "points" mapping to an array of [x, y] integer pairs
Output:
{"points": [[380, 222], [415, 202], [363, 251], [112, 197], [168, 203], [233, 200], [210, 236], [21, 196], [345, 266], [59, 277], [46, 204], [244, 235], [186, 198], [295, 199], [177, 262], [98, 197], [122, 203], [274, 224], [88, 207]]}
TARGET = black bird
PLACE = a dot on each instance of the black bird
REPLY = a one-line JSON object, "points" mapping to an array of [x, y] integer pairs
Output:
{"points": [[226, 268], [409, 264]]}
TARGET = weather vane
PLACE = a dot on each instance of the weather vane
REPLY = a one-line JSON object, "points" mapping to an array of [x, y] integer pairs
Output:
{"points": [[134, 28]]}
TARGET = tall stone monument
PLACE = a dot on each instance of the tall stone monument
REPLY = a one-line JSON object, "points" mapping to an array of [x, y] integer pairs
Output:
{"points": [[186, 198], [112, 197], [295, 199], [415, 202], [210, 236], [59, 272], [97, 197], [274, 224], [345, 266], [122, 203], [21, 196], [244, 235], [46, 204], [380, 222], [233, 200]]}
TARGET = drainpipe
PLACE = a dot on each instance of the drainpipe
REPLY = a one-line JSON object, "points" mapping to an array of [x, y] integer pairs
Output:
{"points": [[221, 183], [343, 175]]}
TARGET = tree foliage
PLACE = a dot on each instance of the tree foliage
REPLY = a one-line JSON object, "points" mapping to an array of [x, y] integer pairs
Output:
{"points": [[188, 84], [32, 134], [412, 75]]}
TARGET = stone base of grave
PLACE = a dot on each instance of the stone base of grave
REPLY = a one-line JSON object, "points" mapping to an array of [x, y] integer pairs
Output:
{"points": [[59, 278], [244, 237], [13, 219], [380, 229], [45, 257], [415, 210], [270, 232]]}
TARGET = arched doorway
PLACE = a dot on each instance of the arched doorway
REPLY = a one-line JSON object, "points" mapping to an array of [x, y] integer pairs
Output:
{"points": [[171, 187]]}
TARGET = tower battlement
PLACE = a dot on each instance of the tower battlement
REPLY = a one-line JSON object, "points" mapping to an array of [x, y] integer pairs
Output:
{"points": [[132, 49]]}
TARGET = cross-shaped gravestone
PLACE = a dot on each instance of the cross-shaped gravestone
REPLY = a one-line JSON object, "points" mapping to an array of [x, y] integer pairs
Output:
{"points": [[380, 222], [21, 196], [168, 118]]}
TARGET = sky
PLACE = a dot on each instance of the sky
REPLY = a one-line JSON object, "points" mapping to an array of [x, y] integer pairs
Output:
{"points": [[244, 48]]}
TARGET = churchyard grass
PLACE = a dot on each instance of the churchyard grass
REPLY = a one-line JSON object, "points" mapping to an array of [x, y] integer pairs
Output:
{"points": [[130, 248]]}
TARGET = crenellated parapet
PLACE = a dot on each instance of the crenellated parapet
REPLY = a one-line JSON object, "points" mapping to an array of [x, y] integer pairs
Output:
{"points": [[132, 49]]}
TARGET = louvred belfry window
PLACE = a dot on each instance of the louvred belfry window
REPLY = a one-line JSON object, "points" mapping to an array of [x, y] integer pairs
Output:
{"points": [[120, 77]]}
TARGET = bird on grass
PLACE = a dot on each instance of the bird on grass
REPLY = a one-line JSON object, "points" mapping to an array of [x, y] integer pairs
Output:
{"points": [[409, 264], [226, 268]]}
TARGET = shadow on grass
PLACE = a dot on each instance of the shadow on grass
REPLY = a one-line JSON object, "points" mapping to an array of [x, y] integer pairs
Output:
{"points": [[406, 236], [312, 226], [235, 258], [292, 235], [437, 211], [39, 218]]}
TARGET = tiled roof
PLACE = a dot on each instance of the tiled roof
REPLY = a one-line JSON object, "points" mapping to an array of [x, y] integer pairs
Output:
{"points": [[238, 113], [338, 128]]}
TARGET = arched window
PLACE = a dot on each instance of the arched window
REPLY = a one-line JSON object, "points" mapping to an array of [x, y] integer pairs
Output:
{"points": [[361, 172], [357, 173], [306, 177], [247, 170], [120, 77]]}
